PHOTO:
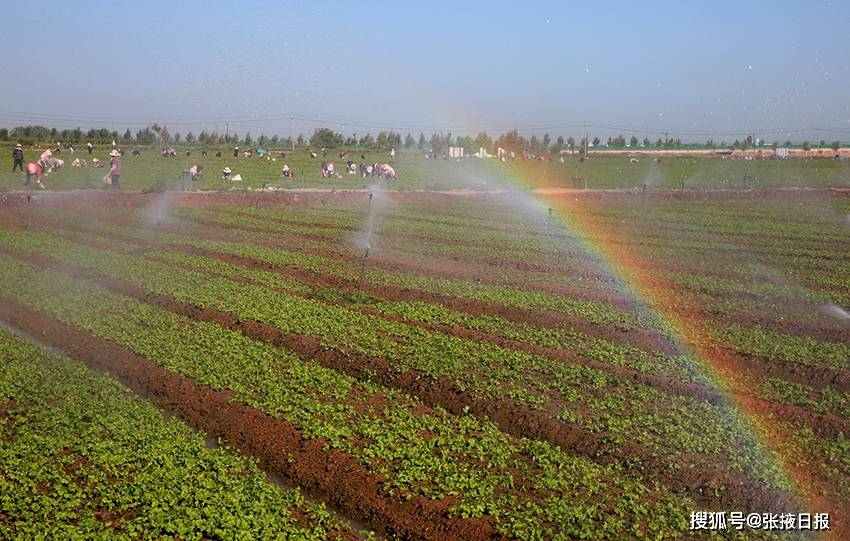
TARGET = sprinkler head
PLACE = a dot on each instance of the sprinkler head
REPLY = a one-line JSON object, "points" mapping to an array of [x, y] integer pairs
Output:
{"points": [[550, 211]]}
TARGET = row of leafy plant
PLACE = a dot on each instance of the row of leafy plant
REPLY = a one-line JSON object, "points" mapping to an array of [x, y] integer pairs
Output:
{"points": [[81, 457]]}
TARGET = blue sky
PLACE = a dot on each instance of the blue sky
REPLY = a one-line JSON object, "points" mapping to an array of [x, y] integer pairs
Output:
{"points": [[684, 66]]}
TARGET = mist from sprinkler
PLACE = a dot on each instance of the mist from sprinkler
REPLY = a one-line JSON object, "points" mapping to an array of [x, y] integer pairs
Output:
{"points": [[370, 227], [653, 176]]}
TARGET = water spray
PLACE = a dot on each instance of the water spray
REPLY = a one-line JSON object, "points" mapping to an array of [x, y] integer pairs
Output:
{"points": [[836, 312], [368, 245]]}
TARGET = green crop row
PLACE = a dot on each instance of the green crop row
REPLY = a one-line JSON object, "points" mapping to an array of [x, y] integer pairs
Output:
{"points": [[682, 367], [532, 489], [783, 347], [833, 463], [82, 458], [828, 400], [765, 218], [717, 286]]}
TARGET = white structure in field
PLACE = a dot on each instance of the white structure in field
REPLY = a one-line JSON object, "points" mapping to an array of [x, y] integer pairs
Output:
{"points": [[455, 152], [782, 153]]}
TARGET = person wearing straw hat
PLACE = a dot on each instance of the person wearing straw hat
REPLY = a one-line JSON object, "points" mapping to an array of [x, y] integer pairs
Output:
{"points": [[113, 176], [225, 173], [18, 158]]}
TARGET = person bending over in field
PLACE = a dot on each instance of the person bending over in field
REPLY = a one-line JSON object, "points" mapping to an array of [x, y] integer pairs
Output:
{"points": [[44, 161], [196, 171], [34, 171]]}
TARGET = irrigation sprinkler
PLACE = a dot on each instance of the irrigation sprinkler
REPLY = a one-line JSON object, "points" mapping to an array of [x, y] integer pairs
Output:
{"points": [[549, 221], [29, 212], [363, 269], [749, 181]]}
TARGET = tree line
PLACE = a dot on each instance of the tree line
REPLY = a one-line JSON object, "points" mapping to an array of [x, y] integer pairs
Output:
{"points": [[438, 142]]}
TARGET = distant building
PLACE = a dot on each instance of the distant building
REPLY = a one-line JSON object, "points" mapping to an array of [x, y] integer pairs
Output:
{"points": [[455, 152]]}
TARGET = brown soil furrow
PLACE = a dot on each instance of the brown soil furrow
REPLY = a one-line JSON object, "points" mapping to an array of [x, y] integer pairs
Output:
{"points": [[334, 476]]}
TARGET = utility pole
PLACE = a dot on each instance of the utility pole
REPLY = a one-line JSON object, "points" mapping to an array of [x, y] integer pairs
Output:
{"points": [[292, 133]]}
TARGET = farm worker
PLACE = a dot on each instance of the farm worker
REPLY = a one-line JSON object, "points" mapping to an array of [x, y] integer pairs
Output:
{"points": [[44, 160], [89, 147], [113, 176], [18, 158], [287, 172], [34, 170], [196, 171], [225, 173], [392, 154], [235, 152]]}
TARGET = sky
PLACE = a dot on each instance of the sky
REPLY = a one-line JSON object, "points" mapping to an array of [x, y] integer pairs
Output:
{"points": [[689, 68]]}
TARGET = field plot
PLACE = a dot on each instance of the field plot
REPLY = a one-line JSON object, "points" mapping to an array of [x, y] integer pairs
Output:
{"points": [[446, 367]]}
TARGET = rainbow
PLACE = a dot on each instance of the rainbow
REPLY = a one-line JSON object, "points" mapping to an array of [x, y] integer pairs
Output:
{"points": [[686, 328]]}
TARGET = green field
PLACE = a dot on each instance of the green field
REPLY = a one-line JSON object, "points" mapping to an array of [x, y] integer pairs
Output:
{"points": [[488, 377], [415, 172]]}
